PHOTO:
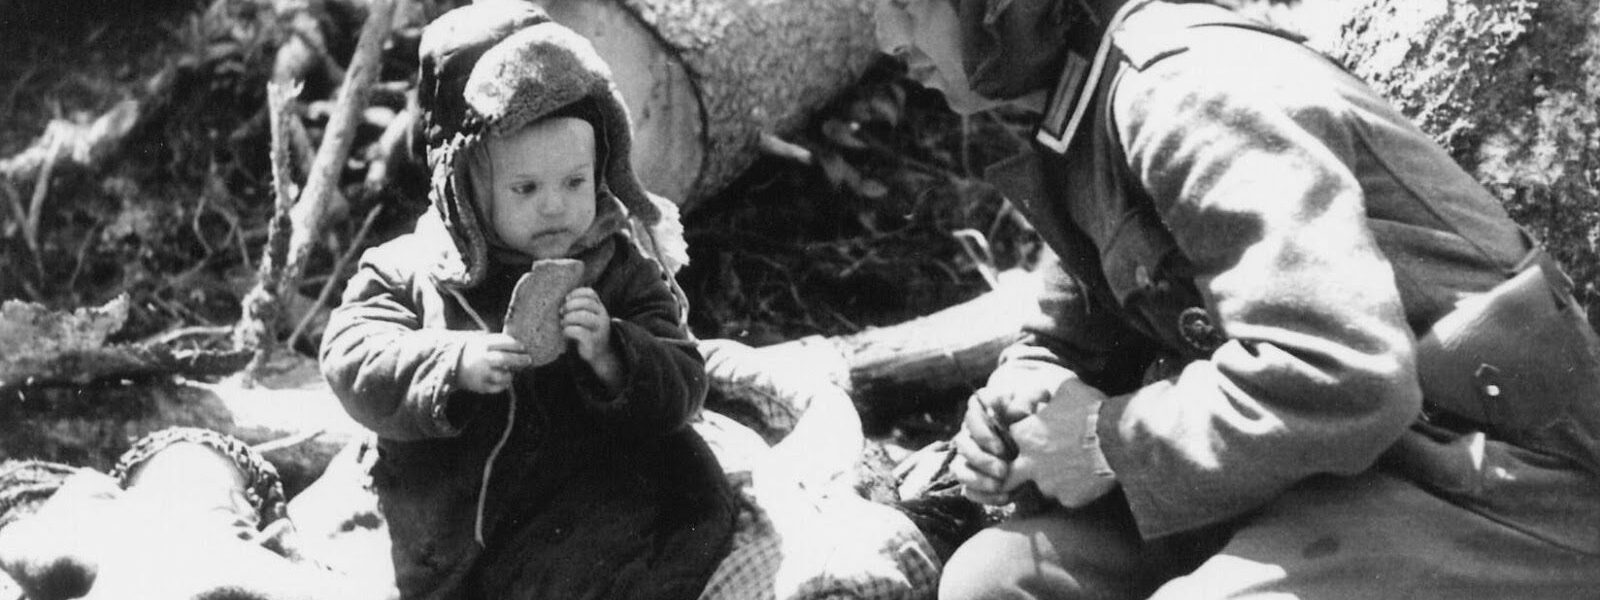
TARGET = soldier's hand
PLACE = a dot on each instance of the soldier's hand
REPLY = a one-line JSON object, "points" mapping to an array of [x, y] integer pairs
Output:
{"points": [[983, 459], [1013, 398], [1058, 448]]}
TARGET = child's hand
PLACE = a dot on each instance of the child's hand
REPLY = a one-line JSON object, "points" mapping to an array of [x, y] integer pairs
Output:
{"points": [[488, 362], [584, 320]]}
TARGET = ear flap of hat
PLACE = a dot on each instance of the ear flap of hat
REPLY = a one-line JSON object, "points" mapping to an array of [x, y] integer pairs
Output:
{"points": [[620, 177]]}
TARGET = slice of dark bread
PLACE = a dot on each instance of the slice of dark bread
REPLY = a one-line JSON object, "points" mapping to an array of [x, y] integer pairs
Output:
{"points": [[534, 316]]}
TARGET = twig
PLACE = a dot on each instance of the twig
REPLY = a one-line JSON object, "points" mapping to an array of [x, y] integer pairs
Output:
{"points": [[167, 337], [966, 145], [976, 246], [32, 290], [333, 279], [289, 441], [300, 142], [391, 147], [323, 181], [773, 145], [201, 204], [260, 307], [18, 85], [41, 188], [83, 252], [305, 155], [14, 200]]}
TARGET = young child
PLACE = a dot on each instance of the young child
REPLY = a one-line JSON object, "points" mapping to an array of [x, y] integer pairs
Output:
{"points": [[577, 479]]}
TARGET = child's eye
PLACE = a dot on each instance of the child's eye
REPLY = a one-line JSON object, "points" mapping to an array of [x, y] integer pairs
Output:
{"points": [[524, 188], [576, 182]]}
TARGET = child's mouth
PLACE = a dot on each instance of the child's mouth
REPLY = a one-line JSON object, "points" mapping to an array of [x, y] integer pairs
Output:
{"points": [[546, 236], [548, 241]]}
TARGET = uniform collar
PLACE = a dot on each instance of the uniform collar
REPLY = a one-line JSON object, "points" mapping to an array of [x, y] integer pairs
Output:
{"points": [[1079, 81]]}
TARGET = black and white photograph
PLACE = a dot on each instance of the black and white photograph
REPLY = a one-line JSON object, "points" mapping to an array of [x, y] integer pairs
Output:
{"points": [[799, 299]]}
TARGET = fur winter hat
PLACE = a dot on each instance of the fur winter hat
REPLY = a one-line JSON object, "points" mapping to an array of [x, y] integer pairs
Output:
{"points": [[496, 66]]}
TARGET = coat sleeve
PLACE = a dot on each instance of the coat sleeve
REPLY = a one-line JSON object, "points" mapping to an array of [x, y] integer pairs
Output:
{"points": [[1071, 335], [393, 375], [663, 374], [1252, 169]]}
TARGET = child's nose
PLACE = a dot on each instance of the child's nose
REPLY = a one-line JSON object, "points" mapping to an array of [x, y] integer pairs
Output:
{"points": [[550, 203]]}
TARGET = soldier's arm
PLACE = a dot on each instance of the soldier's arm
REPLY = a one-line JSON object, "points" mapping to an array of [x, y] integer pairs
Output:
{"points": [[1251, 168]]}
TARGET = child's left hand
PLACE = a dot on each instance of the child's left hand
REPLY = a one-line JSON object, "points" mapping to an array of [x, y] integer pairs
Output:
{"points": [[584, 320]]}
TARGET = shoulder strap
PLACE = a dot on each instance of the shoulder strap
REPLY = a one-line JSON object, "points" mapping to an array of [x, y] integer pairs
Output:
{"points": [[1158, 36], [1173, 32]]}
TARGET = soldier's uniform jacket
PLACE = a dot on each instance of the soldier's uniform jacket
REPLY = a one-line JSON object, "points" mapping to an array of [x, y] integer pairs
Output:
{"points": [[1252, 243]]}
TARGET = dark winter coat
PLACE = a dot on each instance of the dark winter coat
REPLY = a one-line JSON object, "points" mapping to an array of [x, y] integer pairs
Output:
{"points": [[592, 495], [555, 489], [1252, 243]]}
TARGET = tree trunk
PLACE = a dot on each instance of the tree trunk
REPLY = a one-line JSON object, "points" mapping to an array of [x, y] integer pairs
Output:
{"points": [[705, 78], [1510, 89]]}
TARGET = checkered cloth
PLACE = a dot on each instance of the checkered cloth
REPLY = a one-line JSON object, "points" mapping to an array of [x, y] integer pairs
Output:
{"points": [[796, 543]]}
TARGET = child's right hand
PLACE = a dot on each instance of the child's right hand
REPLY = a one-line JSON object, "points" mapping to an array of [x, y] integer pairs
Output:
{"points": [[489, 361]]}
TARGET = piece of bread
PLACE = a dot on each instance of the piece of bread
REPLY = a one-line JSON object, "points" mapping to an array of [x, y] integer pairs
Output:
{"points": [[534, 316]]}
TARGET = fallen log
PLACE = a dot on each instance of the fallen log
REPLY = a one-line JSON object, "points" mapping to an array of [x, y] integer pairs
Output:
{"points": [[953, 349], [704, 79], [45, 347], [290, 412]]}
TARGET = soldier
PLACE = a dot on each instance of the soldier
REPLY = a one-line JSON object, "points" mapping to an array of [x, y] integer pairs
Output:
{"points": [[1289, 347]]}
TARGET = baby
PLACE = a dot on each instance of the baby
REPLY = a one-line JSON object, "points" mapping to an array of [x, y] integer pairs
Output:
{"points": [[499, 478]]}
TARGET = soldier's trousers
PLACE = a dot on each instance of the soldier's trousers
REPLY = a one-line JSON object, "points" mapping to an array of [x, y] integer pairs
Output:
{"points": [[1371, 536]]}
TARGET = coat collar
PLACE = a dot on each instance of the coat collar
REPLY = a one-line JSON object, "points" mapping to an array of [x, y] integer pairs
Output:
{"points": [[1142, 37]]}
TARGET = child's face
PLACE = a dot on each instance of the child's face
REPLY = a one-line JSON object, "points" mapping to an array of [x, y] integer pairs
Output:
{"points": [[542, 185]]}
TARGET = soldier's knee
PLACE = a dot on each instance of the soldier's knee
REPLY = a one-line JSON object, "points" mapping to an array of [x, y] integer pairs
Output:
{"points": [[983, 567], [1007, 564], [1058, 555]]}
